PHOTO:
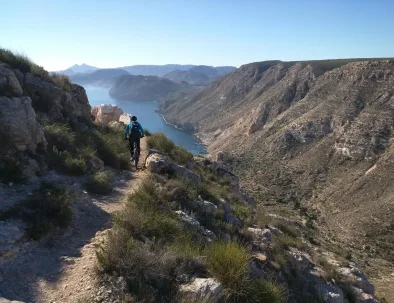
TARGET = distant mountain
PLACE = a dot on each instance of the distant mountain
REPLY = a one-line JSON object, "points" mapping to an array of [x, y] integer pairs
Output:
{"points": [[75, 69], [224, 70], [143, 88], [189, 76], [199, 75], [100, 77], [155, 70]]}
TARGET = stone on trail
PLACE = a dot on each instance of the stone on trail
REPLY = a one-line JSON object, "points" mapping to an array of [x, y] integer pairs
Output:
{"points": [[202, 288]]}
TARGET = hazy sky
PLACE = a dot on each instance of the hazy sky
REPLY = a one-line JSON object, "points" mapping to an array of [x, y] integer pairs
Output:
{"points": [[112, 33]]}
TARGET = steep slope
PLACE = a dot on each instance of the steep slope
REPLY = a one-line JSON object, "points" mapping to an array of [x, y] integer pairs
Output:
{"points": [[101, 77], [143, 88], [189, 76], [312, 136], [199, 75]]}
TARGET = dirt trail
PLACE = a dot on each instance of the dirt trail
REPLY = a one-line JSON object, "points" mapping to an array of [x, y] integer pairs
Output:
{"points": [[65, 272]]}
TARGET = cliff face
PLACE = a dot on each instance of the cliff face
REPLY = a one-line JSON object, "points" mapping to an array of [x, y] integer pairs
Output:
{"points": [[314, 135]]}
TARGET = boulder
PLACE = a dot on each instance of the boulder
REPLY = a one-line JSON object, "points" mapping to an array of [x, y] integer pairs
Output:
{"points": [[76, 104], [157, 163], [54, 103], [263, 235], [186, 173], [300, 261], [115, 125], [125, 118], [9, 84], [355, 276], [201, 288], [187, 219], [19, 118], [233, 220], [363, 297], [106, 113]]}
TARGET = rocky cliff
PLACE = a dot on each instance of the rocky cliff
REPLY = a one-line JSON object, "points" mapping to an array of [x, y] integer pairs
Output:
{"points": [[316, 136]]}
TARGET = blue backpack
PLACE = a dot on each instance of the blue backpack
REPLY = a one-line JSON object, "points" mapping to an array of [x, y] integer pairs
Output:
{"points": [[134, 127]]}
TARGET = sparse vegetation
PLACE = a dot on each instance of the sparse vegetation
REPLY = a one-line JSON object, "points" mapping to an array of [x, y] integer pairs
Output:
{"points": [[262, 291], [46, 210], [104, 142], [11, 161], [229, 263], [164, 144], [62, 81], [22, 62], [100, 183]]}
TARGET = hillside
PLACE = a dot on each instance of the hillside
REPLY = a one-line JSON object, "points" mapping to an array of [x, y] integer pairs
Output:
{"points": [[199, 75], [183, 230], [100, 77], [309, 138], [143, 88]]}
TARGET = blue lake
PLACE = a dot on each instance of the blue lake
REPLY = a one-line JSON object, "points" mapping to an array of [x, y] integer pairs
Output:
{"points": [[149, 119]]}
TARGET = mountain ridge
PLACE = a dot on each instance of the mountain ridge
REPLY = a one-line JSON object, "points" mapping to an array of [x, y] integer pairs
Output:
{"points": [[312, 138]]}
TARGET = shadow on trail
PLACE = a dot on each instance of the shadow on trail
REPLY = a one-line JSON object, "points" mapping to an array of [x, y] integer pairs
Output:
{"points": [[45, 261]]}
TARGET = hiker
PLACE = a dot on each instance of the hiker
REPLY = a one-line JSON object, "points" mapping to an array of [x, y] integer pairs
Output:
{"points": [[134, 132]]}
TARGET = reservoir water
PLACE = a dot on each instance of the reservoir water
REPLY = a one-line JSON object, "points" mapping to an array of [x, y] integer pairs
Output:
{"points": [[149, 119]]}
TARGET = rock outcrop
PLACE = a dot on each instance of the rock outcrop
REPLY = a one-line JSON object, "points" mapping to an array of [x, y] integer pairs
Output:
{"points": [[200, 288], [55, 104], [9, 84], [106, 113], [124, 118], [18, 117], [159, 163]]}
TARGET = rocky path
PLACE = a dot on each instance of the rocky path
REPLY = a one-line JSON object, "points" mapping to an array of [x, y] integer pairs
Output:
{"points": [[63, 269]]}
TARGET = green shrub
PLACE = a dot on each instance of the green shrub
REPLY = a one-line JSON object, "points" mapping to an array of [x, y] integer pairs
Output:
{"points": [[111, 147], [266, 292], [260, 218], [47, 209], [62, 81], [229, 263], [22, 63], [11, 164], [286, 227], [59, 135], [74, 166], [285, 241], [100, 183], [162, 143], [65, 163]]}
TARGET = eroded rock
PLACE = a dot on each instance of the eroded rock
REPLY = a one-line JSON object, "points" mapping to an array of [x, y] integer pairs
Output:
{"points": [[9, 84], [106, 113], [202, 288], [19, 118]]}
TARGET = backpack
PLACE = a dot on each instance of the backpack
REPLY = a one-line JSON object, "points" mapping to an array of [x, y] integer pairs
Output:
{"points": [[134, 127]]}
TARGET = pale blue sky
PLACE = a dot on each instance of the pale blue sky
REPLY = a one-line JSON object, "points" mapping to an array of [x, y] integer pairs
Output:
{"points": [[112, 33]]}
